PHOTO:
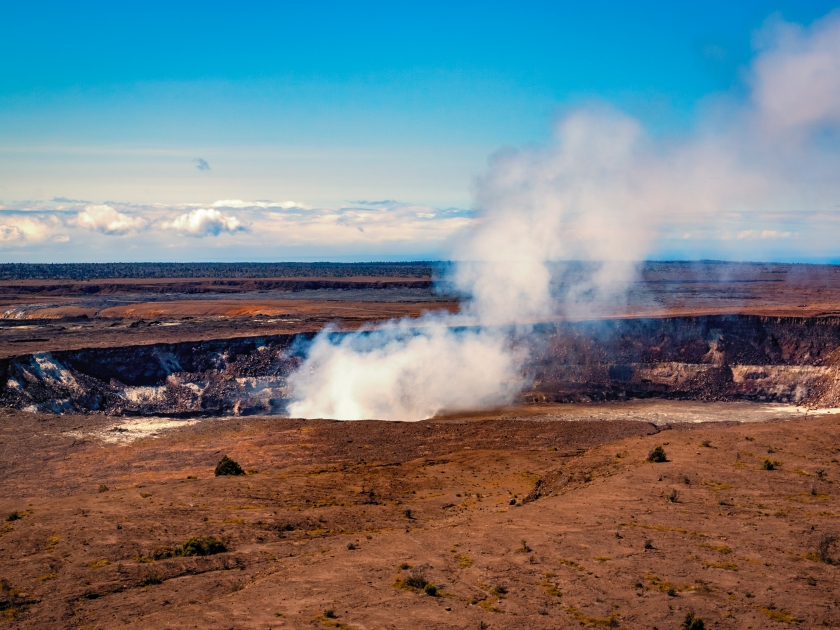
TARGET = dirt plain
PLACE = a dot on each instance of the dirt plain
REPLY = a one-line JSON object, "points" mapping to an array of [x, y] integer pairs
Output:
{"points": [[533, 518], [533, 525]]}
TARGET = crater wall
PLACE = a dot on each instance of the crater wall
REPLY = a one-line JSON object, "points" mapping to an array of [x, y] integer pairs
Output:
{"points": [[769, 359]]}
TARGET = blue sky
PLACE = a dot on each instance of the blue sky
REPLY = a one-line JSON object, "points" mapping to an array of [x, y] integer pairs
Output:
{"points": [[318, 106]]}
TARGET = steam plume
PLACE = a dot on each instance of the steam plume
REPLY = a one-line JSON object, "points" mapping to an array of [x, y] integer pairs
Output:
{"points": [[606, 192]]}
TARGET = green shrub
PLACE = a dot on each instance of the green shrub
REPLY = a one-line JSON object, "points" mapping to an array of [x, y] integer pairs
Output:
{"points": [[151, 579], [693, 623], [416, 579], [824, 547], [768, 465], [227, 466], [195, 546], [657, 455], [201, 547]]}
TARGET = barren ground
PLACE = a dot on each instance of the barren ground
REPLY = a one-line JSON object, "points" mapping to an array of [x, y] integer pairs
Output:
{"points": [[330, 511]]}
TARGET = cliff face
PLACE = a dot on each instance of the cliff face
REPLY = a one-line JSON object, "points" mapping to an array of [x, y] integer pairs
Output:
{"points": [[234, 376], [772, 359], [707, 358]]}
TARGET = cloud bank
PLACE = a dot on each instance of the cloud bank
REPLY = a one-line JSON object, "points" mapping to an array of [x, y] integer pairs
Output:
{"points": [[245, 229]]}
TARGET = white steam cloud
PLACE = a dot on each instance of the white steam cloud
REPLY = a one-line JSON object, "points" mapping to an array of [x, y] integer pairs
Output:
{"points": [[604, 191], [409, 371]]}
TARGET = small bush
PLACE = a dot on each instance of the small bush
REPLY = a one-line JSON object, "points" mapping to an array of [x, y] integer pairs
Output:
{"points": [[103, 488], [674, 497], [524, 548], [351, 547], [693, 623], [14, 516], [195, 546], [417, 580], [151, 579], [824, 547], [329, 613], [201, 547], [160, 553], [768, 465], [657, 455], [227, 466], [649, 544]]}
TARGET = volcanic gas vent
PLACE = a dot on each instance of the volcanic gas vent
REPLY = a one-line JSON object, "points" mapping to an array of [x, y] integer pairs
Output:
{"points": [[792, 360]]}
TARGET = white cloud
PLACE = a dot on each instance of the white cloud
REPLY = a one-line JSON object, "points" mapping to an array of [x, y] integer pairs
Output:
{"points": [[105, 219], [205, 222], [238, 203], [11, 233], [24, 228]]}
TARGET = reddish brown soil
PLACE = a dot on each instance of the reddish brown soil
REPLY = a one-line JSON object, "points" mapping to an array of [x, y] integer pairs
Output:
{"points": [[322, 523], [345, 311], [349, 312]]}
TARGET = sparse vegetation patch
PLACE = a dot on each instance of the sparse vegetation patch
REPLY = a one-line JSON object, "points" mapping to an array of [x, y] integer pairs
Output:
{"points": [[227, 466], [196, 546], [657, 455], [605, 622], [417, 582], [692, 623], [783, 616], [825, 544]]}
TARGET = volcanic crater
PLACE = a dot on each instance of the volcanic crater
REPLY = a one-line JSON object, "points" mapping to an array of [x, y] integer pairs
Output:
{"points": [[548, 513]]}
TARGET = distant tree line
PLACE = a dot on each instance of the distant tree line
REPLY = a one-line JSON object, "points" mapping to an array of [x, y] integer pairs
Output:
{"points": [[99, 271]]}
